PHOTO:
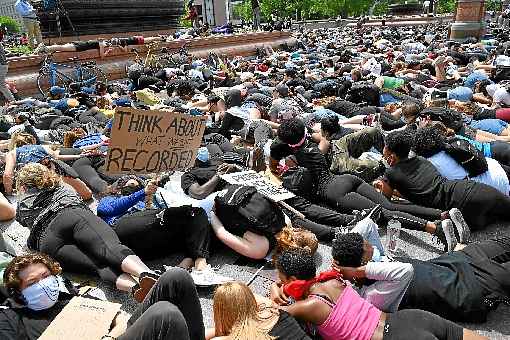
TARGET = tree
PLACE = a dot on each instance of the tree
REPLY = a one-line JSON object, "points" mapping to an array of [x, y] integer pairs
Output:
{"points": [[11, 24]]}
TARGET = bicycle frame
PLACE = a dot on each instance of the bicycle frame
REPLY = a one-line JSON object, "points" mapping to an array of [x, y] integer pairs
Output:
{"points": [[54, 70]]}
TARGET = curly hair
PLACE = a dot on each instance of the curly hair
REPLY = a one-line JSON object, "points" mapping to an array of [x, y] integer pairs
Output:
{"points": [[291, 131], [347, 249], [35, 175], [298, 263], [11, 273], [428, 141], [400, 143], [19, 139], [295, 238], [330, 124]]}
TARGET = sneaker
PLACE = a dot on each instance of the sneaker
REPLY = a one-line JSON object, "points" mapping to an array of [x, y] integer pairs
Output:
{"points": [[445, 235], [41, 49], [208, 277], [143, 287], [461, 227], [374, 214]]}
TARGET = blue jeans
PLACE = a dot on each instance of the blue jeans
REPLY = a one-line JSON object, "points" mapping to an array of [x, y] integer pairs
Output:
{"points": [[368, 229], [494, 126]]}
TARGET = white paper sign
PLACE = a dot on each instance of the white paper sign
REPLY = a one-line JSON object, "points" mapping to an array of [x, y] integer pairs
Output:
{"points": [[263, 185]]}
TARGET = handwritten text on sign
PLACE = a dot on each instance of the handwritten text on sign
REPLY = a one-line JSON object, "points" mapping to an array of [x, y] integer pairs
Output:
{"points": [[263, 185], [144, 141]]}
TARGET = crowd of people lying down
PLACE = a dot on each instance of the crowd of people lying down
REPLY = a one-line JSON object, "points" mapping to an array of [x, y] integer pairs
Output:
{"points": [[364, 125]]}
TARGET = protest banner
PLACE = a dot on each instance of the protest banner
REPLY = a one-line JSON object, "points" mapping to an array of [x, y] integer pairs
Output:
{"points": [[150, 141], [82, 318], [263, 185]]}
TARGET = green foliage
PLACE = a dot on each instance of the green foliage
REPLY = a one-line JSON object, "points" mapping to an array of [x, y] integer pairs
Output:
{"points": [[20, 49], [11, 24], [243, 10], [183, 22]]}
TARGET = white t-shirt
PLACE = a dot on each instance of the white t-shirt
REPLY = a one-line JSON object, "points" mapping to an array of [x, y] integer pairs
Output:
{"points": [[449, 168], [499, 94]]}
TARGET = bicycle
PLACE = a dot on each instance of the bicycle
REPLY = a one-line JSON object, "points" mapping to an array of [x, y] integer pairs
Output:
{"points": [[59, 74], [151, 60]]}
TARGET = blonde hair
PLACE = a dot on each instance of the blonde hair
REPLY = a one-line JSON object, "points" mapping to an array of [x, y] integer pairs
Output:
{"points": [[236, 313], [21, 138], [35, 175], [292, 238]]}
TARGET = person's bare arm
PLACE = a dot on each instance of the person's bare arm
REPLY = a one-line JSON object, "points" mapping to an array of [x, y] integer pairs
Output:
{"points": [[10, 164], [7, 211], [324, 145], [250, 245], [480, 98]]}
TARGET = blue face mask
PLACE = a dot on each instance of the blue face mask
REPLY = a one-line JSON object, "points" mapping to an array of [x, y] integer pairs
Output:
{"points": [[203, 155], [376, 256], [43, 294]]}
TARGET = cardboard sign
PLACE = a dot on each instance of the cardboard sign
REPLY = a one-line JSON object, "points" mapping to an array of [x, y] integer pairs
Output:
{"points": [[82, 318], [263, 185], [149, 141]]}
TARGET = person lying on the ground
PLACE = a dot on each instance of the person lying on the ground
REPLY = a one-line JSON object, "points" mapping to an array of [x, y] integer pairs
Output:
{"points": [[336, 310], [63, 226], [433, 146], [346, 192], [24, 151], [477, 291], [417, 180], [159, 232], [38, 293]]}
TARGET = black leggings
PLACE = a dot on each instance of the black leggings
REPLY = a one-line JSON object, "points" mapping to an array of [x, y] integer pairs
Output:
{"points": [[420, 325], [501, 152], [319, 220], [388, 122], [181, 228], [485, 205], [83, 243], [88, 169], [171, 310], [346, 193]]}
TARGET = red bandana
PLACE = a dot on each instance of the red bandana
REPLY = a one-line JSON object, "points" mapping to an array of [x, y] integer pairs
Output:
{"points": [[298, 288]]}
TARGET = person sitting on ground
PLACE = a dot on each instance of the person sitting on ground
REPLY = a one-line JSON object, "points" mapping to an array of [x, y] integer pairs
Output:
{"points": [[240, 314], [63, 226], [34, 281], [337, 311]]}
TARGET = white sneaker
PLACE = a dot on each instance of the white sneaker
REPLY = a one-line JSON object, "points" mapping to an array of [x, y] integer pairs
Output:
{"points": [[208, 277], [460, 224]]}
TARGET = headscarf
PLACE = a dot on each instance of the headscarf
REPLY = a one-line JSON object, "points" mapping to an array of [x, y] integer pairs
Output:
{"points": [[298, 288]]}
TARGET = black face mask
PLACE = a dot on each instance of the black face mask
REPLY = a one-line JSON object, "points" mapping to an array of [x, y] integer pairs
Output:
{"points": [[126, 191]]}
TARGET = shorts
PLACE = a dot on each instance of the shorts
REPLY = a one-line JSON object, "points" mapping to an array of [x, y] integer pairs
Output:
{"points": [[494, 126], [136, 40], [86, 45]]}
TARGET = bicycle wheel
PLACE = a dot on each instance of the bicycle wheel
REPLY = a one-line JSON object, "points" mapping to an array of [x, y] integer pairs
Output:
{"points": [[91, 75], [45, 82]]}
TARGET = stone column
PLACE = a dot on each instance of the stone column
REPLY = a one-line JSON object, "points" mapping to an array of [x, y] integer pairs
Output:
{"points": [[469, 20]]}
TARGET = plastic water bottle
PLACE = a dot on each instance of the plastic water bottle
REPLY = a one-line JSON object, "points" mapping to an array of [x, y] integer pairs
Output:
{"points": [[393, 235]]}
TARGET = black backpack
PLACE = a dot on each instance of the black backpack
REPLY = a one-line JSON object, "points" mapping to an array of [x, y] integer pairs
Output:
{"points": [[364, 92], [502, 73], [471, 159], [244, 208]]}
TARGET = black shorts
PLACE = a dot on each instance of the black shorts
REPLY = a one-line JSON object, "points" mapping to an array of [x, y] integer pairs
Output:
{"points": [[86, 45]]}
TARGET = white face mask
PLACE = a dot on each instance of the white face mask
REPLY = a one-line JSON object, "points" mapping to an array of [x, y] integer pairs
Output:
{"points": [[43, 294]]}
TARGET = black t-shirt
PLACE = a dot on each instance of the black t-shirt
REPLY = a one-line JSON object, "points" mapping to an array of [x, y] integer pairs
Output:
{"points": [[420, 182], [26, 324], [308, 156], [344, 107], [201, 174]]}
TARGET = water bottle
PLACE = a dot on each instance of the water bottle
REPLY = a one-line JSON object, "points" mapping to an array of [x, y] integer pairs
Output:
{"points": [[393, 235]]}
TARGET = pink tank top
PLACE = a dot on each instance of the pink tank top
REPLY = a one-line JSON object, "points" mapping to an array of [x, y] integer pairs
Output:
{"points": [[351, 318]]}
